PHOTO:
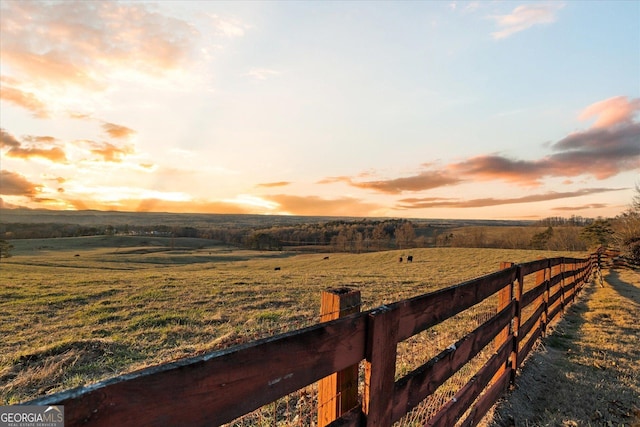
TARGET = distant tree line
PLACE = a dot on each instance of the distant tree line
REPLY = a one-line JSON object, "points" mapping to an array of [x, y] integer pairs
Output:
{"points": [[555, 221], [339, 236], [554, 233]]}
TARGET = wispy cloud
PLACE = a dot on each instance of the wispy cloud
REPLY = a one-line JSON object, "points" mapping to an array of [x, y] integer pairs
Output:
{"points": [[421, 203], [423, 181], [228, 27], [23, 99], [469, 6], [274, 184], [580, 208], [261, 73], [524, 17]]}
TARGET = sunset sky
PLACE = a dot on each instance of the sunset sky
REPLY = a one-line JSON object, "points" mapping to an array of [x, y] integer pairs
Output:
{"points": [[433, 109]]}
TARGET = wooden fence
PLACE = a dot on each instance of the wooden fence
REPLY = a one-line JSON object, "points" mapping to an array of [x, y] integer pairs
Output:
{"points": [[218, 387]]}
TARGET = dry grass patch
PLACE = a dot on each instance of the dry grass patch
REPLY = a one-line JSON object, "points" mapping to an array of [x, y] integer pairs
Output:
{"points": [[587, 372]]}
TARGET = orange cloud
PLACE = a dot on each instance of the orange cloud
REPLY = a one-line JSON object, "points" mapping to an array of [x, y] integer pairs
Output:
{"points": [[83, 44], [611, 112], [50, 69], [26, 100], [14, 184], [117, 131], [54, 154], [110, 152], [18, 150], [274, 184]]}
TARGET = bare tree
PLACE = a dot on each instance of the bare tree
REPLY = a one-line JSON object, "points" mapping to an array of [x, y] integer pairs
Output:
{"points": [[405, 235], [380, 235], [627, 229]]}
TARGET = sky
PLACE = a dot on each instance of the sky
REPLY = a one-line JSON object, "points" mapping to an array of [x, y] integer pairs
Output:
{"points": [[417, 109]]}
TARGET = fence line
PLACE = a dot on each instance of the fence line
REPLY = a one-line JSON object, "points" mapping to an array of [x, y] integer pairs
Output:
{"points": [[218, 387]]}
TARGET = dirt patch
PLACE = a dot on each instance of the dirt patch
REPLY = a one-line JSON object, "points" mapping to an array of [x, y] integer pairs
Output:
{"points": [[587, 371]]}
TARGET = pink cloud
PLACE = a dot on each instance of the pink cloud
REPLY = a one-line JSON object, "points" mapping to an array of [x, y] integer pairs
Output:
{"points": [[611, 112]]}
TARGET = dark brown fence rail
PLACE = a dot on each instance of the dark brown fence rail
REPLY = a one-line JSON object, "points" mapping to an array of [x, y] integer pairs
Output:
{"points": [[218, 387]]}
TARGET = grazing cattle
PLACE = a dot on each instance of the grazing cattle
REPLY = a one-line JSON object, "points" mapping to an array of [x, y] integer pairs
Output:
{"points": [[277, 268], [326, 257], [410, 258], [77, 255], [400, 259]]}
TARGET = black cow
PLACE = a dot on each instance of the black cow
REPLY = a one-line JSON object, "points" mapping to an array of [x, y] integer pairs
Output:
{"points": [[400, 259], [410, 258], [277, 269]]}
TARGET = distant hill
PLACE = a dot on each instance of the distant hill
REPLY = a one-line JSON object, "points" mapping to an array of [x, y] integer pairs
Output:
{"points": [[117, 218]]}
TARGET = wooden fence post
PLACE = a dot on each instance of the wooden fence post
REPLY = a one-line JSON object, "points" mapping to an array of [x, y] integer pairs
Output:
{"points": [[563, 283], [338, 392], [504, 299], [380, 367], [516, 325]]}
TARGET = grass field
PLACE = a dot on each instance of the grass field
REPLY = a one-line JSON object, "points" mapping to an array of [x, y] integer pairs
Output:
{"points": [[76, 310]]}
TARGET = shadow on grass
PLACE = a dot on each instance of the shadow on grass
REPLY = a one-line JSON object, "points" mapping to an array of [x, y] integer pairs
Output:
{"points": [[626, 290], [573, 379]]}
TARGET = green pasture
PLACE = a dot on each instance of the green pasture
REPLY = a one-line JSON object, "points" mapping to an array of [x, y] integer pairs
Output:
{"points": [[76, 310]]}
